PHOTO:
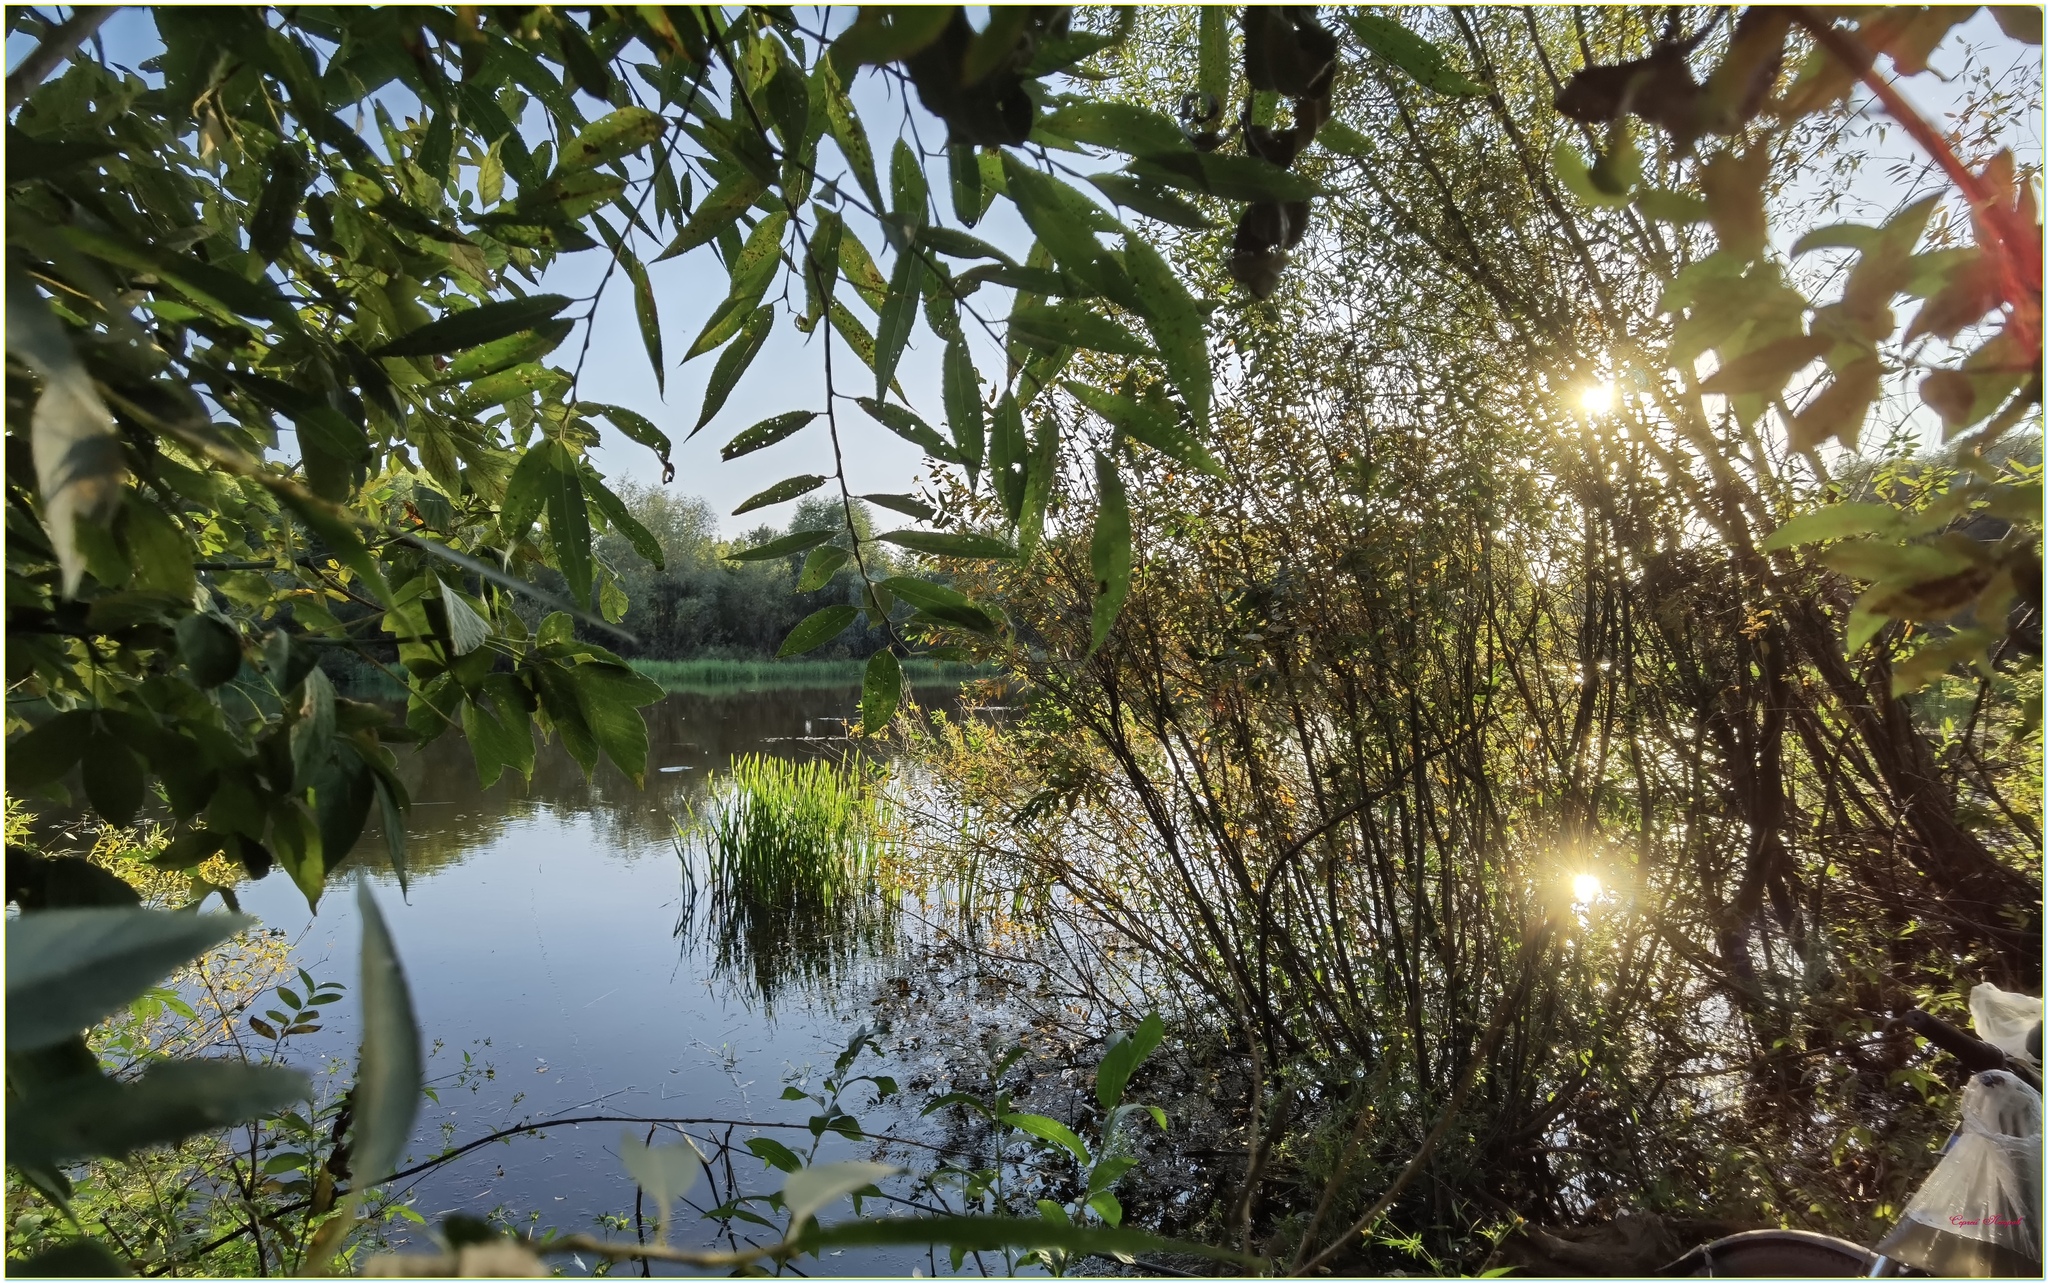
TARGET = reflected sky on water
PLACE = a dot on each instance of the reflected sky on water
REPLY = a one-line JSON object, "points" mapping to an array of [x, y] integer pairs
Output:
{"points": [[539, 937]]}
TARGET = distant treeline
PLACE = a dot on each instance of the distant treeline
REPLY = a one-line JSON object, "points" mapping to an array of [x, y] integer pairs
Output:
{"points": [[698, 605]]}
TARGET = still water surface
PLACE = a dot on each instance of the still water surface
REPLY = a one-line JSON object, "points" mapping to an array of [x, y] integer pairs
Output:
{"points": [[540, 937]]}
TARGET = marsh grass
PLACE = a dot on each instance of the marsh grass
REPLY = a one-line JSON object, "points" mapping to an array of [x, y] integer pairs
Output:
{"points": [[795, 859], [716, 674]]}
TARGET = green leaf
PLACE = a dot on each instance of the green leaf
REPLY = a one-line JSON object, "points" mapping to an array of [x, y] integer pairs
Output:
{"points": [[773, 1153], [1212, 61], [733, 363], [1836, 521], [113, 778], [858, 267], [1153, 202], [1124, 127], [908, 426], [1009, 456], [911, 197], [1064, 221], [648, 314], [91, 1115], [958, 244], [475, 326], [888, 33], [1176, 325], [525, 492], [898, 317], [503, 354], [632, 423], [766, 433], [388, 1077], [1048, 1129], [846, 128], [948, 544], [1109, 550], [568, 520], [1153, 422], [908, 505], [1236, 178], [77, 451], [963, 405], [816, 629], [1420, 60], [942, 603], [621, 519], [270, 225], [1104, 1204], [1123, 1056], [211, 649], [881, 689], [622, 133], [798, 541], [67, 968], [520, 383], [781, 492], [750, 275], [1074, 325], [609, 693], [720, 209], [823, 563], [855, 334], [45, 754], [965, 171], [571, 195], [1341, 139]]}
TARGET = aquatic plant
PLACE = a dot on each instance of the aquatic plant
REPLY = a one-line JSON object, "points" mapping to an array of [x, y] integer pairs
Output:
{"points": [[796, 858]]}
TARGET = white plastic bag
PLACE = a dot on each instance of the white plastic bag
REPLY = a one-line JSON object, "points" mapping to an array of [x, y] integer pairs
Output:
{"points": [[1978, 1214], [2005, 1020]]}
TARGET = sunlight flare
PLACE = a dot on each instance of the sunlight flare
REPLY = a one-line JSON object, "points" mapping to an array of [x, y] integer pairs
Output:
{"points": [[1585, 888], [1598, 399]]}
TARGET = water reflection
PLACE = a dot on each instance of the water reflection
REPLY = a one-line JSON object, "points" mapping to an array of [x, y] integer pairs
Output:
{"points": [[690, 736], [753, 952]]}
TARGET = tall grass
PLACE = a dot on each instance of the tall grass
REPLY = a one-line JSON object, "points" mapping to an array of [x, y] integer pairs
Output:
{"points": [[713, 674], [794, 854]]}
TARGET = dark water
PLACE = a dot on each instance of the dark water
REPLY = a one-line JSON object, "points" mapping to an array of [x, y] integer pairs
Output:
{"points": [[540, 937]]}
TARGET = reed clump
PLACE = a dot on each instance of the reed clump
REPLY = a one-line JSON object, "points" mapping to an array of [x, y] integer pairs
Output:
{"points": [[795, 862]]}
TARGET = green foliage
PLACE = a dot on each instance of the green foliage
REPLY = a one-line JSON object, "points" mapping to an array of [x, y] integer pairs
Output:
{"points": [[1739, 305]]}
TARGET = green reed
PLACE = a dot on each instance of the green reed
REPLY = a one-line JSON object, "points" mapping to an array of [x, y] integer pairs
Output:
{"points": [[794, 856]]}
